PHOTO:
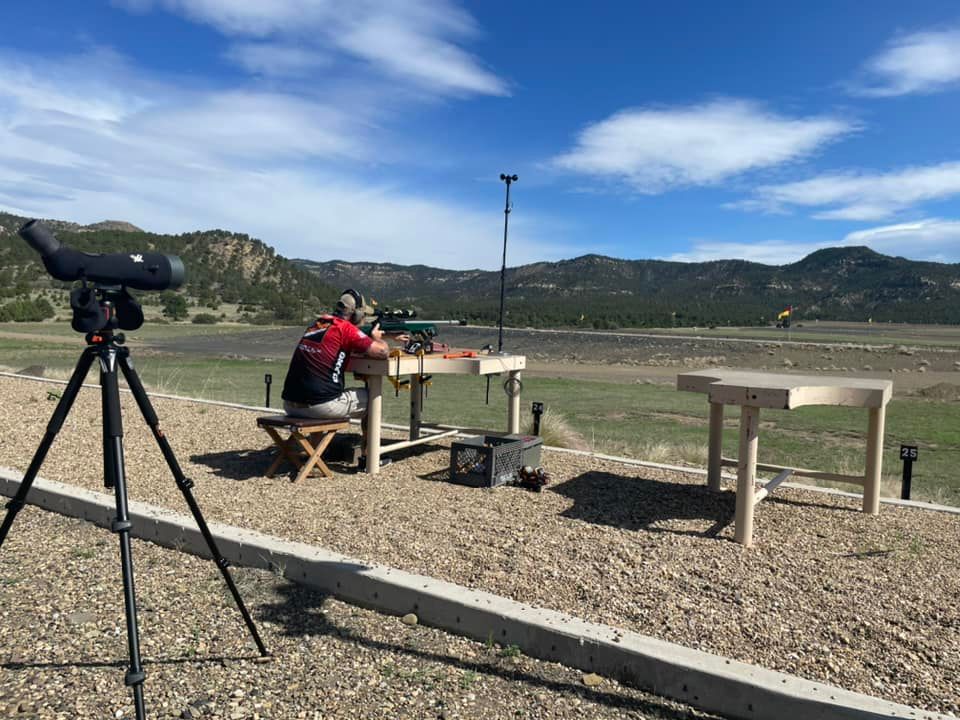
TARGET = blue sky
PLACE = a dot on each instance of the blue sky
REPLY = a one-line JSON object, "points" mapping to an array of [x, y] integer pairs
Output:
{"points": [[377, 130]]}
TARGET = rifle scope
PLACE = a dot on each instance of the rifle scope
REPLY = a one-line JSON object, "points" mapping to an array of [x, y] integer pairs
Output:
{"points": [[138, 270]]}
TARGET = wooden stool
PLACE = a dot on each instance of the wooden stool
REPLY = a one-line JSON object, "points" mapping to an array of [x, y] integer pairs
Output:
{"points": [[309, 436]]}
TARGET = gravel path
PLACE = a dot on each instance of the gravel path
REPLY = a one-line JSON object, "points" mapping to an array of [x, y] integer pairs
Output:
{"points": [[828, 593], [64, 652]]}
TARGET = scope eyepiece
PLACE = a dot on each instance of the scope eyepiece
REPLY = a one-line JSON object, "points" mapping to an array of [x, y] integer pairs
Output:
{"points": [[138, 270]]}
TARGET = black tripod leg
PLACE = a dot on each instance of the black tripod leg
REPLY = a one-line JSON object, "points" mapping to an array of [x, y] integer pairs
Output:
{"points": [[113, 468], [53, 427], [185, 484]]}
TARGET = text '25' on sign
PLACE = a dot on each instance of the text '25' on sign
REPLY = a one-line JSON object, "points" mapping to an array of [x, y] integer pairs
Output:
{"points": [[908, 452]]}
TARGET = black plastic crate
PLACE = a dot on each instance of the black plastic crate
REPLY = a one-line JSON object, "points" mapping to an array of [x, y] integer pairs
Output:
{"points": [[531, 448], [485, 460]]}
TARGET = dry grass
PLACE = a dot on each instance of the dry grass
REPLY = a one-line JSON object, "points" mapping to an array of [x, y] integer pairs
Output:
{"points": [[683, 453], [46, 372], [555, 430]]}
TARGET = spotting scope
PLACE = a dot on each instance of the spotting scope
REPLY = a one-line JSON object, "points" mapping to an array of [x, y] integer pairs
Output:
{"points": [[138, 270]]}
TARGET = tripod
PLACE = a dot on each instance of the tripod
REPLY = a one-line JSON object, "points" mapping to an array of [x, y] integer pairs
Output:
{"points": [[107, 346]]}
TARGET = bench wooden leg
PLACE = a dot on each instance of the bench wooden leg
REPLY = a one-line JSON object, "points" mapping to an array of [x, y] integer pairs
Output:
{"points": [[746, 473], [513, 403], [871, 480], [715, 455], [374, 413], [313, 455], [283, 452]]}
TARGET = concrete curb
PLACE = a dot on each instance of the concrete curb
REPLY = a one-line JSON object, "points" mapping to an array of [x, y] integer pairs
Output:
{"points": [[710, 682], [584, 453]]}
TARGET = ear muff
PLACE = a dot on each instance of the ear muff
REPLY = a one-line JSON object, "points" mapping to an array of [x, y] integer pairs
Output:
{"points": [[358, 316]]}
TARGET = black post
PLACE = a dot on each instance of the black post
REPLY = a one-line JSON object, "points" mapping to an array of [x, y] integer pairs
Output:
{"points": [[508, 179], [267, 379], [537, 412], [908, 453]]}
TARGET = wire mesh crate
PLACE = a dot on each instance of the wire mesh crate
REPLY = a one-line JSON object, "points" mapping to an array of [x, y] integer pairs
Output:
{"points": [[485, 460]]}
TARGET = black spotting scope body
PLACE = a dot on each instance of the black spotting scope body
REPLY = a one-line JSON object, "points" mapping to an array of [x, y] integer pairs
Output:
{"points": [[138, 270]]}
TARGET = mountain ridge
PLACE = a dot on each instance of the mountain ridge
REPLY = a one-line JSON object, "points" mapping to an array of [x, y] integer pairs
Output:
{"points": [[591, 290], [839, 283]]}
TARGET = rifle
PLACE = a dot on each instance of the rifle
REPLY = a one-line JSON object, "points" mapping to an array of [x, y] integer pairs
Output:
{"points": [[421, 332]]}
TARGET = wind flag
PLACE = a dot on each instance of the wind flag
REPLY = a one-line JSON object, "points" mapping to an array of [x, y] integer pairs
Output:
{"points": [[786, 313]]}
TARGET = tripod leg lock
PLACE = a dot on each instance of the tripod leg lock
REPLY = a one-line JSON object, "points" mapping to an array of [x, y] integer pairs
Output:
{"points": [[134, 678], [223, 563], [185, 483], [15, 505], [118, 526]]}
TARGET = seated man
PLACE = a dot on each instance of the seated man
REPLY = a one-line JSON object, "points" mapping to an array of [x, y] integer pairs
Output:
{"points": [[315, 386]]}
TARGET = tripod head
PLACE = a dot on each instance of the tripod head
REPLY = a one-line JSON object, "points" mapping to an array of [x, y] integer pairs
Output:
{"points": [[104, 308]]}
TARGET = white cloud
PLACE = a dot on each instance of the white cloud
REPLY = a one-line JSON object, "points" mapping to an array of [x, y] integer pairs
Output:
{"points": [[414, 40], [931, 239], [274, 59], [768, 252], [923, 62], [90, 138], [860, 196], [653, 150]]}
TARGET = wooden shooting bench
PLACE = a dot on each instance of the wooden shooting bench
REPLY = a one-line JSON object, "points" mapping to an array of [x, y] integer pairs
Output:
{"points": [[412, 372], [304, 445], [754, 390]]}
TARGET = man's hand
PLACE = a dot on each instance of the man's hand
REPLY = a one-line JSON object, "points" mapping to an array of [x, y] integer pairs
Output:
{"points": [[376, 333], [401, 337]]}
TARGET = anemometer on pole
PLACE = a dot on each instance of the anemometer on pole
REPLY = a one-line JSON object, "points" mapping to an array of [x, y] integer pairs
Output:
{"points": [[503, 267], [508, 179]]}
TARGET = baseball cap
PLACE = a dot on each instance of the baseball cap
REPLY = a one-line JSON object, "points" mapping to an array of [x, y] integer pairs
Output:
{"points": [[348, 301]]}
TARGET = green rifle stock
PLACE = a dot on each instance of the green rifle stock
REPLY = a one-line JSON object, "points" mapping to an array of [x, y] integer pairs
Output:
{"points": [[406, 322]]}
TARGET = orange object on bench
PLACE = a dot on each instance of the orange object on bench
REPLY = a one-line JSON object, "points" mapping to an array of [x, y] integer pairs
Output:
{"points": [[463, 354], [305, 444]]}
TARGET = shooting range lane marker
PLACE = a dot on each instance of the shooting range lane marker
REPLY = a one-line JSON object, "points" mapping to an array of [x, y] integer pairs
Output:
{"points": [[463, 432], [710, 682]]}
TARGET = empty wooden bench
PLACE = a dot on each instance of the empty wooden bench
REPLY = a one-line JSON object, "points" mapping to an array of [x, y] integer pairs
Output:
{"points": [[306, 440], [753, 390]]}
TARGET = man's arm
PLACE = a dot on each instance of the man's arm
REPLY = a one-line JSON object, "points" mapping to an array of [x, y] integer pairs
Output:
{"points": [[378, 350]]}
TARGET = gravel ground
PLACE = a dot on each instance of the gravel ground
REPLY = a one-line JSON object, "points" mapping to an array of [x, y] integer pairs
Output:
{"points": [[64, 649], [827, 593]]}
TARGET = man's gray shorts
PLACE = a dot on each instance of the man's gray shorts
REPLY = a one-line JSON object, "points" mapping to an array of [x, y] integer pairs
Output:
{"points": [[351, 403]]}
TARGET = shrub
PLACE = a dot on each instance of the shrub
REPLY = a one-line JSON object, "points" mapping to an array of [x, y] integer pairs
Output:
{"points": [[26, 310], [556, 431], [204, 319], [174, 306]]}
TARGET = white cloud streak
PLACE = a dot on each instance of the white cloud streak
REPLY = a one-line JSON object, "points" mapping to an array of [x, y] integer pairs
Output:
{"points": [[277, 60], [923, 62], [414, 41], [931, 239], [768, 252], [859, 196], [88, 138], [652, 150]]}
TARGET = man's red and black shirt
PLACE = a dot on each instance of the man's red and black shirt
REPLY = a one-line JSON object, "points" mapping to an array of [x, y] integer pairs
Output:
{"points": [[318, 365]]}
